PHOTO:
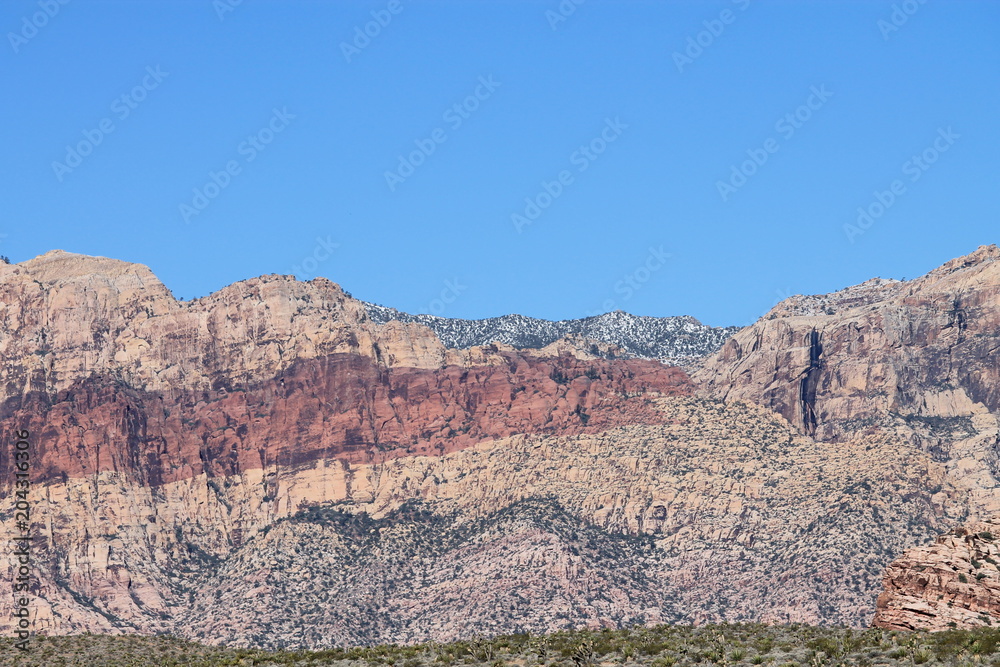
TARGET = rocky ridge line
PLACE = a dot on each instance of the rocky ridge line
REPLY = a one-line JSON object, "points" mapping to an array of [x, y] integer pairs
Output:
{"points": [[916, 358], [667, 338]]}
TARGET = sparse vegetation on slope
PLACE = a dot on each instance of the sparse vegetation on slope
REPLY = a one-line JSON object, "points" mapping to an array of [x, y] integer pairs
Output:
{"points": [[642, 524], [675, 338]]}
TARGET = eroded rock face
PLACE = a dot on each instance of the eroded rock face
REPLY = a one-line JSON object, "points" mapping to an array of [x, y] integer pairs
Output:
{"points": [[200, 466], [167, 433], [919, 358], [689, 519], [952, 583], [834, 363], [66, 317], [343, 406]]}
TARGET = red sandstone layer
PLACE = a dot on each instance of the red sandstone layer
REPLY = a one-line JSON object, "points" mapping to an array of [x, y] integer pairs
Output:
{"points": [[340, 406]]}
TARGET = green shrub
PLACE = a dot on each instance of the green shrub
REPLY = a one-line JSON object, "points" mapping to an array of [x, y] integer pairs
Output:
{"points": [[664, 661]]}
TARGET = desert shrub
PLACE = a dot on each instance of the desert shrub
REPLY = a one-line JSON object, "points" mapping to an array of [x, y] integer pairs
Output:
{"points": [[664, 661]]}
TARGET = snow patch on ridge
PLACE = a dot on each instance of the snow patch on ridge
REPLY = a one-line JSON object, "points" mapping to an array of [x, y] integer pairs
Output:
{"points": [[638, 336]]}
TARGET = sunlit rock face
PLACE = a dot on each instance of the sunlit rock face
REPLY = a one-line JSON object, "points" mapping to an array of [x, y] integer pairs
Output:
{"points": [[952, 583], [270, 466]]}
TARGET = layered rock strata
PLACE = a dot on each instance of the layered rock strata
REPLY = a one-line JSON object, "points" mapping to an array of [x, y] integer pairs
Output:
{"points": [[952, 583], [267, 465]]}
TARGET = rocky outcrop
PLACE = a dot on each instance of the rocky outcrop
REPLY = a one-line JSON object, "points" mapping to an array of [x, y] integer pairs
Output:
{"points": [[952, 583], [862, 356], [917, 358], [66, 317]]}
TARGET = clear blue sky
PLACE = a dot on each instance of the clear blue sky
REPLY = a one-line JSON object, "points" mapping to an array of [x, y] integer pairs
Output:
{"points": [[673, 129]]}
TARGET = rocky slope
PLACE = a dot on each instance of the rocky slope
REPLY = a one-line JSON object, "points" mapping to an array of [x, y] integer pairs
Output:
{"points": [[916, 358], [687, 521], [271, 465], [669, 338], [129, 393], [65, 317], [954, 582]]}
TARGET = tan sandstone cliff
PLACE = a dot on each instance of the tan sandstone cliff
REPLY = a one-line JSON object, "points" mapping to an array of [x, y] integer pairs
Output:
{"points": [[916, 358]]}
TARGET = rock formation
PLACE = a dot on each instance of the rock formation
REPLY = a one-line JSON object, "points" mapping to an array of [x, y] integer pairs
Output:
{"points": [[916, 358], [952, 583], [268, 465]]}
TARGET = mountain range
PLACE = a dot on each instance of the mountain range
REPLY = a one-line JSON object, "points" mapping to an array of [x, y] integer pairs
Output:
{"points": [[280, 465], [665, 338]]}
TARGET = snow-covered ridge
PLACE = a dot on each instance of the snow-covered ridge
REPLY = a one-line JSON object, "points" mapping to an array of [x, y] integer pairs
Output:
{"points": [[638, 336]]}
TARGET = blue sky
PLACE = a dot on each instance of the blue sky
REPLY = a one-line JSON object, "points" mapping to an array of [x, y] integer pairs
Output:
{"points": [[588, 166]]}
